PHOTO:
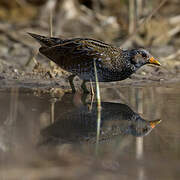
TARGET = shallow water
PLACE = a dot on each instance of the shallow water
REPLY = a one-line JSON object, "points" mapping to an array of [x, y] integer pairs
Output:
{"points": [[50, 138]]}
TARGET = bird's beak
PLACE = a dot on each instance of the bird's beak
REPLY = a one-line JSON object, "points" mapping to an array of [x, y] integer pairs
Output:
{"points": [[154, 123], [153, 61]]}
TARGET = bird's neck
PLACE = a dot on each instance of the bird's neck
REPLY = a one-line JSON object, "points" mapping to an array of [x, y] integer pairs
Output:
{"points": [[128, 55]]}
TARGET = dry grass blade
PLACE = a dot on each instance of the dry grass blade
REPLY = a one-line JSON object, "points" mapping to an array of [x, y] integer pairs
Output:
{"points": [[51, 63], [98, 107], [51, 23], [97, 87]]}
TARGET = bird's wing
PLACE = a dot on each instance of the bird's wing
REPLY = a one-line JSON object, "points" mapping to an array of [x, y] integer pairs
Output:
{"points": [[78, 48]]}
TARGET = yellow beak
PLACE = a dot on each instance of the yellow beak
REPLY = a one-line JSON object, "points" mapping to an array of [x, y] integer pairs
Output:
{"points": [[153, 61], [154, 123]]}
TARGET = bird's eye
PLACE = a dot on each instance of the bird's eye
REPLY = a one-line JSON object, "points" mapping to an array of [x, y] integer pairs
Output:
{"points": [[144, 55]]}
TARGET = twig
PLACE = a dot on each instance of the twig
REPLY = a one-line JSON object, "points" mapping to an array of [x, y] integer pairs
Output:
{"points": [[174, 20], [50, 23], [139, 5], [132, 16], [51, 63], [172, 56], [145, 21], [170, 34]]}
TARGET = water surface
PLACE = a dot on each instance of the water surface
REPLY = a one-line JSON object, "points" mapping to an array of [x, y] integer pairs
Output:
{"points": [[50, 138]]}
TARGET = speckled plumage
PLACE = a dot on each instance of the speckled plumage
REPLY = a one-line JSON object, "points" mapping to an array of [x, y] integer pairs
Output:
{"points": [[79, 124], [77, 55]]}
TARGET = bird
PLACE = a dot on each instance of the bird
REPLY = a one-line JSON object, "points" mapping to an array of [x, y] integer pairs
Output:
{"points": [[79, 123], [77, 56]]}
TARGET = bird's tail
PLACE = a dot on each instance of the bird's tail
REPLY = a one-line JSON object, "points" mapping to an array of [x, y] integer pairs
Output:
{"points": [[46, 41]]}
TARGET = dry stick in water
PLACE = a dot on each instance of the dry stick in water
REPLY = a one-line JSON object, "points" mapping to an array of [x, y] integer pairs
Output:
{"points": [[51, 5], [92, 95], [53, 101], [92, 90], [145, 21], [51, 63], [13, 106], [98, 107]]}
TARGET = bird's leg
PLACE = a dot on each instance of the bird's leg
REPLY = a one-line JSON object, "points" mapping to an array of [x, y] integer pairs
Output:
{"points": [[70, 78], [84, 88], [92, 90]]}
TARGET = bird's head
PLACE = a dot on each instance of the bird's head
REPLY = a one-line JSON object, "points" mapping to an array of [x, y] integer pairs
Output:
{"points": [[141, 127], [140, 57]]}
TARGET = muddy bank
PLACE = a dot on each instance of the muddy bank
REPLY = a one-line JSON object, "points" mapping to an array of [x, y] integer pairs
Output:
{"points": [[54, 80], [22, 66]]}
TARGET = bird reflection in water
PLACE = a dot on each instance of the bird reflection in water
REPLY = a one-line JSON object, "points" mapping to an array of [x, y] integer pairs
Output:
{"points": [[79, 123]]}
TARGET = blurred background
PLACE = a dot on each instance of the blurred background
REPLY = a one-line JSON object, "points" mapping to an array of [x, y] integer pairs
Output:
{"points": [[153, 24], [26, 78]]}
